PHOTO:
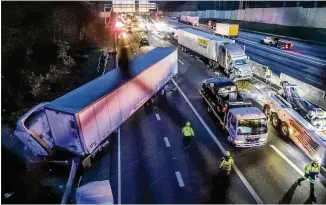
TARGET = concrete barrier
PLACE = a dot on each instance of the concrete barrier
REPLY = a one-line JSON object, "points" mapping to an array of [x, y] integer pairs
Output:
{"points": [[306, 91], [259, 73]]}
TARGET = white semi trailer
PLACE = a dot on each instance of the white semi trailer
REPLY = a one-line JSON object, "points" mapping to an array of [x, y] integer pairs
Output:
{"points": [[192, 20], [81, 121], [220, 52]]}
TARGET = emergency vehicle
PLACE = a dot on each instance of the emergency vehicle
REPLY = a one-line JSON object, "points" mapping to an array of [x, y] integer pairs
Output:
{"points": [[246, 125], [303, 122]]}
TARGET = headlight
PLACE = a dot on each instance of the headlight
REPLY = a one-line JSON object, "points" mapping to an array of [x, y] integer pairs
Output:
{"points": [[238, 142]]}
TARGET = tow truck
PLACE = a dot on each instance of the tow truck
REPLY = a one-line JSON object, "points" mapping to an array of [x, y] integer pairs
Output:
{"points": [[246, 125], [275, 41], [301, 121]]}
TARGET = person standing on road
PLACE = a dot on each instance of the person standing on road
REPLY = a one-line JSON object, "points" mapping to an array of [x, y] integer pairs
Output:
{"points": [[226, 163], [188, 134], [311, 172]]}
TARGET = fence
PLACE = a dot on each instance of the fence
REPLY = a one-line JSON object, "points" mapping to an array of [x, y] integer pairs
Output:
{"points": [[287, 16]]}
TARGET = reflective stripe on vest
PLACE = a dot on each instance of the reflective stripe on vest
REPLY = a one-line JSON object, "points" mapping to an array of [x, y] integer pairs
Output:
{"points": [[227, 165]]}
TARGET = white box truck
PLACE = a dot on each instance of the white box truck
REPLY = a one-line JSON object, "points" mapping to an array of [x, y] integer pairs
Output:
{"points": [[81, 121], [219, 51]]}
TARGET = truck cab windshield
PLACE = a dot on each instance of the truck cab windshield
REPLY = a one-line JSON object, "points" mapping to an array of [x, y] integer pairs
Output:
{"points": [[241, 61], [252, 127]]}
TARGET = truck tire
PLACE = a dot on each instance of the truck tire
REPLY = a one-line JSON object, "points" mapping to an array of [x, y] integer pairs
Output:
{"points": [[266, 111], [275, 121], [284, 130]]}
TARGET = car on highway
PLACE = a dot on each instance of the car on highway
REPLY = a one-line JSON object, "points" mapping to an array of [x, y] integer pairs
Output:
{"points": [[143, 42], [275, 41]]}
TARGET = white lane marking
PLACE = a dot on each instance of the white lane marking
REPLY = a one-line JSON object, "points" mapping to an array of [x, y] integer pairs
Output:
{"points": [[200, 60], [323, 169], [258, 59], [79, 180], [285, 53], [158, 117], [275, 57], [181, 62], [167, 143], [179, 178], [99, 195], [313, 80], [119, 169], [287, 160], [236, 169]]}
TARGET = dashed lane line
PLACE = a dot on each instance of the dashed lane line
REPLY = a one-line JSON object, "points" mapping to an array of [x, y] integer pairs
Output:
{"points": [[236, 169], [167, 143], [314, 81], [158, 117], [179, 178], [181, 62]]}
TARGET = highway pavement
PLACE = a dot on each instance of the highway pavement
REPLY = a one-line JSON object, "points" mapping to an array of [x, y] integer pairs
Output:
{"points": [[306, 61], [269, 173], [146, 162]]}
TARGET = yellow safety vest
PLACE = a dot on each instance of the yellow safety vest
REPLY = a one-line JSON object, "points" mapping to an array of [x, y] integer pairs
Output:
{"points": [[311, 171], [187, 131], [226, 165]]}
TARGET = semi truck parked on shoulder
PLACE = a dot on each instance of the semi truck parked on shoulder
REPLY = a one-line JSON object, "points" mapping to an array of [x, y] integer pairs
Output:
{"points": [[301, 121], [246, 125], [192, 20], [220, 52], [81, 121], [227, 30]]}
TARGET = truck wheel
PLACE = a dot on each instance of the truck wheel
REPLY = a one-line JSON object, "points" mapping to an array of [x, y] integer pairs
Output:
{"points": [[284, 130], [275, 121], [266, 110]]}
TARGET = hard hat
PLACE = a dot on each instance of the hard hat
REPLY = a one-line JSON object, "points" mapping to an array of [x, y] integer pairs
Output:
{"points": [[188, 123], [227, 153], [315, 161]]}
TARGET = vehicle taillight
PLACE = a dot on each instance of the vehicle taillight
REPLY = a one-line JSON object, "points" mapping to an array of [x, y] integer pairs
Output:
{"points": [[224, 108]]}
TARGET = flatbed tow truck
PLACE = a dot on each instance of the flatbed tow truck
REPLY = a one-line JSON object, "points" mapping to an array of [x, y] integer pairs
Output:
{"points": [[301, 121], [246, 125]]}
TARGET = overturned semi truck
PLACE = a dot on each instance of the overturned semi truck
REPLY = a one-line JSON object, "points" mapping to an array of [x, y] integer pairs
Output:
{"points": [[81, 121]]}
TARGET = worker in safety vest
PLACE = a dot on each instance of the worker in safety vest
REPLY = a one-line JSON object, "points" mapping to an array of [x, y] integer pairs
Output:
{"points": [[226, 163], [311, 172], [188, 134], [268, 72]]}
